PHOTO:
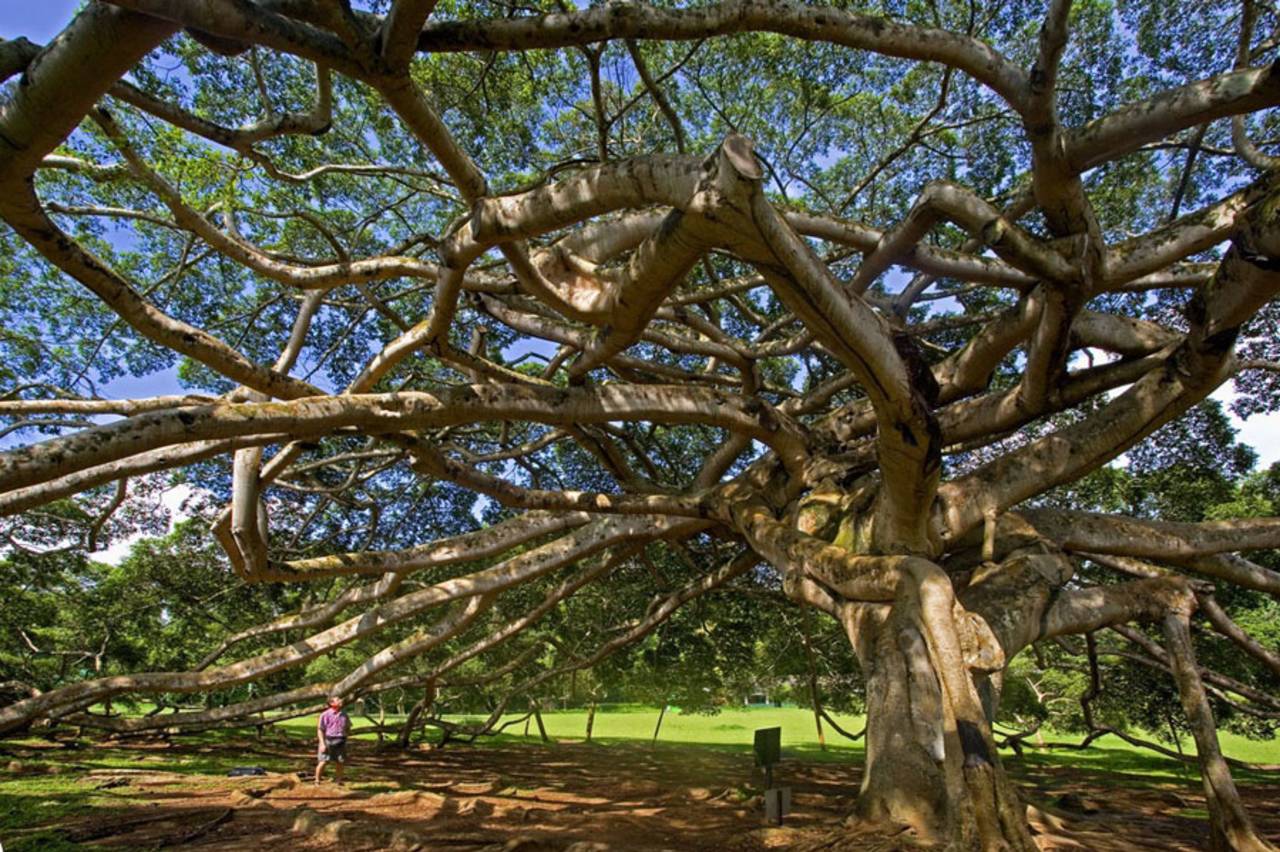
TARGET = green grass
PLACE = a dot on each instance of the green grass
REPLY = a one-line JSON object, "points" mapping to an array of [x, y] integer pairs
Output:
{"points": [[56, 787], [1242, 748], [631, 722], [47, 800], [191, 755], [729, 729], [1130, 765], [733, 729]]}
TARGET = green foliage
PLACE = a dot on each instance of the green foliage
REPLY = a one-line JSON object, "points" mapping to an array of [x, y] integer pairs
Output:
{"points": [[1191, 470], [1182, 472], [163, 608]]}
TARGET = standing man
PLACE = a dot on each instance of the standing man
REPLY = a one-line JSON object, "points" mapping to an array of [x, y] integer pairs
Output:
{"points": [[331, 732]]}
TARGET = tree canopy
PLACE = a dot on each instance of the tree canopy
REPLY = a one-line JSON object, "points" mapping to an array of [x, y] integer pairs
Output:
{"points": [[507, 337]]}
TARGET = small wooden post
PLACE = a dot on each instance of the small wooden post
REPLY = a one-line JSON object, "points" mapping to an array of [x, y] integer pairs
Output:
{"points": [[658, 727], [542, 729]]}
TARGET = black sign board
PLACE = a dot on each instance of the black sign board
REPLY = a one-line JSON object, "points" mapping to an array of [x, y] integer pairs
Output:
{"points": [[768, 746]]}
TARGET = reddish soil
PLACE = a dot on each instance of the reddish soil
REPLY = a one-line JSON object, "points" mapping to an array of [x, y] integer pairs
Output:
{"points": [[590, 798]]}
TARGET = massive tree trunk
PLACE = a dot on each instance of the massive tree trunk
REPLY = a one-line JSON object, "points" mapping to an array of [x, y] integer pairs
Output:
{"points": [[928, 765], [931, 761], [934, 662]]}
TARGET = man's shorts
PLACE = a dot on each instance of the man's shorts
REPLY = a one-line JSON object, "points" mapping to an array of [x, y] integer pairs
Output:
{"points": [[335, 748]]}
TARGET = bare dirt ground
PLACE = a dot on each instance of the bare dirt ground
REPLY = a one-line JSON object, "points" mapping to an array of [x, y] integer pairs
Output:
{"points": [[585, 798]]}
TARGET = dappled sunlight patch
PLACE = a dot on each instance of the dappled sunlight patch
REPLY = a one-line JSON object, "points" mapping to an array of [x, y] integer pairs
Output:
{"points": [[622, 797]]}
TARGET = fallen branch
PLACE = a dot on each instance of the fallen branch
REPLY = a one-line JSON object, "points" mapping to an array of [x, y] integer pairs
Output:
{"points": [[107, 829], [204, 829]]}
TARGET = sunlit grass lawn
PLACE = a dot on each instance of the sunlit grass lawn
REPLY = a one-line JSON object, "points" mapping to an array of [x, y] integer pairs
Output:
{"points": [[730, 729], [734, 728]]}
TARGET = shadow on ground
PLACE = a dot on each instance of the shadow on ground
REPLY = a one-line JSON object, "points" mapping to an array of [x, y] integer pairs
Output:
{"points": [[536, 798]]}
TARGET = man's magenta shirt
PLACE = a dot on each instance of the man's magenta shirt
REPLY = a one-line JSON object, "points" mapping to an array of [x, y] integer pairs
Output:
{"points": [[333, 723]]}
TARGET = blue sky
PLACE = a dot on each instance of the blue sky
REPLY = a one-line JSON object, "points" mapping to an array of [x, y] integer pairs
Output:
{"points": [[38, 20]]}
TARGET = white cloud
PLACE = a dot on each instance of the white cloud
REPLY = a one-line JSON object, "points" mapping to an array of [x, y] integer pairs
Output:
{"points": [[1260, 431], [172, 499]]}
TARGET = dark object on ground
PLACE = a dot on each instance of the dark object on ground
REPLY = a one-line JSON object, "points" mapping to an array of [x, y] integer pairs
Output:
{"points": [[246, 770]]}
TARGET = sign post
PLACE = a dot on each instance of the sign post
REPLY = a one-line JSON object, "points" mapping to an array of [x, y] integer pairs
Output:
{"points": [[768, 751]]}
